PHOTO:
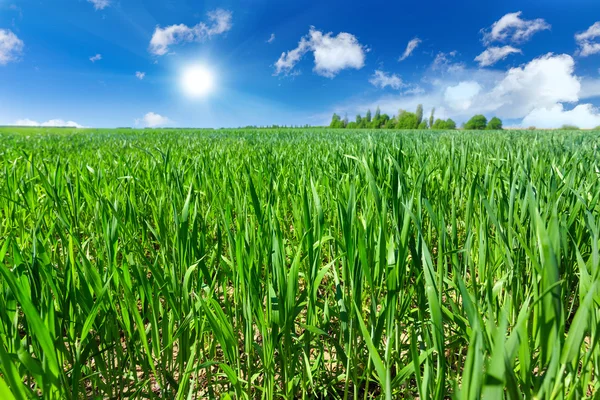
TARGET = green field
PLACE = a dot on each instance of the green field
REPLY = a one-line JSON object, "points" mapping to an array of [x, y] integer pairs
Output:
{"points": [[299, 263]]}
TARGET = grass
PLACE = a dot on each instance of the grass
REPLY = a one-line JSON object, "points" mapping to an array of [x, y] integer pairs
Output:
{"points": [[283, 264]]}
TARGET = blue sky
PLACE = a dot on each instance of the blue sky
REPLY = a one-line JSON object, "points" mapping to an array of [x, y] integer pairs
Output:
{"points": [[109, 63]]}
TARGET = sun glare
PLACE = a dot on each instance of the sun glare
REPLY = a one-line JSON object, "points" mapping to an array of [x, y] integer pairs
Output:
{"points": [[197, 81]]}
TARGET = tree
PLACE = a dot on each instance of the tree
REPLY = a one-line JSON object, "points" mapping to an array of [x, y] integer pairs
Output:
{"points": [[568, 127], [390, 124], [419, 114], [423, 125], [494, 124], [368, 117], [440, 124], [336, 122], [384, 119], [345, 121], [431, 117], [478, 122], [376, 122], [407, 120]]}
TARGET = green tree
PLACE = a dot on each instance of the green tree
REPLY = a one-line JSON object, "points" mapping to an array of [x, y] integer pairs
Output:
{"points": [[335, 121], [345, 121], [431, 117], [368, 116], [478, 122], [407, 120], [383, 120], [568, 127], [494, 124], [419, 114], [423, 125], [376, 122], [440, 124], [390, 123]]}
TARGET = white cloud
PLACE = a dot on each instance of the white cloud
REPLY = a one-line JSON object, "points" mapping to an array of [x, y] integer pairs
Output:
{"points": [[586, 43], [545, 85], [288, 60], [410, 47], [153, 120], [99, 4], [331, 53], [11, 47], [512, 28], [494, 54], [583, 116], [381, 80], [140, 75], [50, 123], [219, 22], [590, 87], [461, 96], [271, 38], [413, 90], [95, 58], [443, 61], [542, 83]]}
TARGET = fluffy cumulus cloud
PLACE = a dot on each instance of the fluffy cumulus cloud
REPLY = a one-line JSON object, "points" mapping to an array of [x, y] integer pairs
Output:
{"points": [[542, 83], [99, 4], [583, 115], [50, 123], [587, 41], [153, 120], [219, 22], [332, 54], [410, 47], [381, 80], [95, 58], [461, 96], [494, 54], [140, 75], [11, 47], [512, 28]]}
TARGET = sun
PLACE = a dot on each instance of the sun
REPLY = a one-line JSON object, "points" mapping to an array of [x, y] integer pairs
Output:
{"points": [[197, 81]]}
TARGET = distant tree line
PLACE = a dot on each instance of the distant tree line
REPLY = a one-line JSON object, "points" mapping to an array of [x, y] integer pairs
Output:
{"points": [[480, 122], [409, 120]]}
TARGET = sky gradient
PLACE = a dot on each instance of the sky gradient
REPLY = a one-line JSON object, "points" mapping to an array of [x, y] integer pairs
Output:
{"points": [[113, 63]]}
